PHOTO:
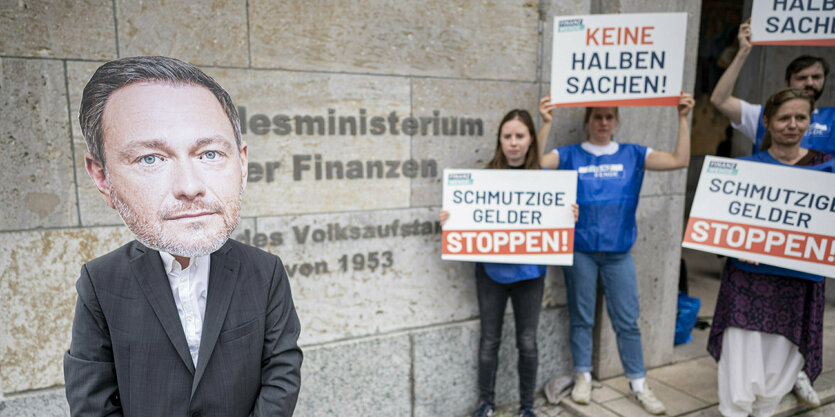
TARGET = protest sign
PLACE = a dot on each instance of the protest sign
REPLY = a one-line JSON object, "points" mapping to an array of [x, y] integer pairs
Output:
{"points": [[618, 59], [776, 215], [793, 22], [509, 216]]}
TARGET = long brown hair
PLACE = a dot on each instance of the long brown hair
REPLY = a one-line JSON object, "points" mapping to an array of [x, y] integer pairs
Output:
{"points": [[532, 157], [778, 99]]}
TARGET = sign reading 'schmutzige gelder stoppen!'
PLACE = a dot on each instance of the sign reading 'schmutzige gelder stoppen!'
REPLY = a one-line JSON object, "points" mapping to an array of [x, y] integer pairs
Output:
{"points": [[509, 216], [781, 216]]}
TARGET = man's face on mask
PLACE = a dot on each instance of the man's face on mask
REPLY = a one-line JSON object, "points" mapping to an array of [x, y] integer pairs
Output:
{"points": [[174, 170]]}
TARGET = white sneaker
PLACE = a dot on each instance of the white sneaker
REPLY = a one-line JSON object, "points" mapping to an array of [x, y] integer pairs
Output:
{"points": [[649, 401], [804, 392], [581, 393]]}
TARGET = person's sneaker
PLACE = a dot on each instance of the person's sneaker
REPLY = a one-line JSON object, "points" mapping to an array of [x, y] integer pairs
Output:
{"points": [[804, 392], [649, 401], [581, 393], [485, 409], [526, 412]]}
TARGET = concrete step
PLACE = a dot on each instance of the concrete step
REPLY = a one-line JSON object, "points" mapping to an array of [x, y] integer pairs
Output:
{"points": [[689, 395]]}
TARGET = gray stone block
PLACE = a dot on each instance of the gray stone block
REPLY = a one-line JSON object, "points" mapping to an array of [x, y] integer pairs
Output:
{"points": [[48, 403], [277, 186], [38, 188], [337, 293], [446, 365], [94, 211], [58, 29], [204, 32], [38, 303], [484, 101], [554, 288], [551, 9], [364, 377], [446, 369], [657, 128], [494, 40]]}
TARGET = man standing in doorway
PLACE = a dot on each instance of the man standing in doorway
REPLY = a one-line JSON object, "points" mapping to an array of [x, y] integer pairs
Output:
{"points": [[805, 72], [181, 321]]}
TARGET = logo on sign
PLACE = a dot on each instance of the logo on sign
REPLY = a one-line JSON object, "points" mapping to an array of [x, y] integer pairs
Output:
{"points": [[570, 25], [721, 167], [817, 129], [602, 171], [460, 179]]}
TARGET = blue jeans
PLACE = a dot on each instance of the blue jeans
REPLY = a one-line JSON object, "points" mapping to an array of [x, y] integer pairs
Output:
{"points": [[526, 298], [620, 287]]}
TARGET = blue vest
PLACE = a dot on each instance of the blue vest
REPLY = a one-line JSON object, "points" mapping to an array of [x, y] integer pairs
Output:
{"points": [[510, 273], [766, 158], [607, 193], [818, 136]]}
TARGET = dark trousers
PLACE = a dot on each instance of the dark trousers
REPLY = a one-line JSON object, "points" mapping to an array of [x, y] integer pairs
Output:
{"points": [[526, 298]]}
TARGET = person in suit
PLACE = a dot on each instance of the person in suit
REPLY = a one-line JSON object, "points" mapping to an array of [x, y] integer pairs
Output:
{"points": [[182, 321]]}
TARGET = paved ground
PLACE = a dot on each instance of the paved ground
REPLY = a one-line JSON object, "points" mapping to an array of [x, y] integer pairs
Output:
{"points": [[688, 385]]}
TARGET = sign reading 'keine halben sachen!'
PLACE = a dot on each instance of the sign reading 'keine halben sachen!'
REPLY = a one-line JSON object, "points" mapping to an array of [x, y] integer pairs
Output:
{"points": [[771, 214], [509, 216], [618, 59], [793, 22]]}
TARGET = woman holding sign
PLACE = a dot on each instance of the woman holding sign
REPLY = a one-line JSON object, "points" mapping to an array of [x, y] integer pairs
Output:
{"points": [[609, 181], [768, 323], [516, 148]]}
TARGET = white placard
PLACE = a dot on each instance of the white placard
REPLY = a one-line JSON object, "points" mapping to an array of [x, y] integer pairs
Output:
{"points": [[618, 59], [509, 216], [793, 22], [772, 214]]}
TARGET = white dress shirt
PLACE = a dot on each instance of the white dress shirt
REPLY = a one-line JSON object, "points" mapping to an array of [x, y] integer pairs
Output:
{"points": [[190, 287]]}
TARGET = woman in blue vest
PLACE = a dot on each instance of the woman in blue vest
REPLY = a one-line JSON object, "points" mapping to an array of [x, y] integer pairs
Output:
{"points": [[608, 184], [768, 323], [516, 148]]}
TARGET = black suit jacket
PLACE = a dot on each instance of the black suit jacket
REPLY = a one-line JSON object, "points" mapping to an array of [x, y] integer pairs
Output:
{"points": [[129, 354]]}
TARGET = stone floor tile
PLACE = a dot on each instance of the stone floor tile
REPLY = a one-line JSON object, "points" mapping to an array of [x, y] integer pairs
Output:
{"points": [[825, 386], [541, 407], [707, 412], [693, 349], [619, 383], [700, 380], [590, 410], [604, 393], [626, 408], [824, 411], [678, 402], [829, 339]]}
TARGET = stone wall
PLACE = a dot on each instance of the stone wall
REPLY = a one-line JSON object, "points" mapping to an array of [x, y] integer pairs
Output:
{"points": [[388, 328]]}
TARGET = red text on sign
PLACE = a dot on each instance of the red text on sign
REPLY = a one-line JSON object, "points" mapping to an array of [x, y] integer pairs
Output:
{"points": [[619, 36], [762, 240], [508, 242]]}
